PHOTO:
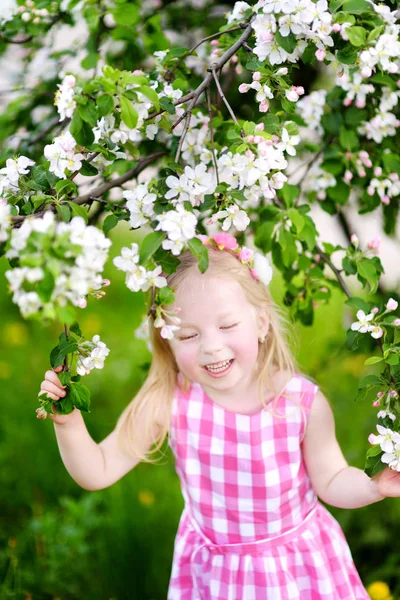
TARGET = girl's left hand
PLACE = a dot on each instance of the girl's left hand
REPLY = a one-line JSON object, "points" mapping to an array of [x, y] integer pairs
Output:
{"points": [[388, 483]]}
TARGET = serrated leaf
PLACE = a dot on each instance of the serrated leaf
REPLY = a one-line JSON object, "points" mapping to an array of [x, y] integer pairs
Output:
{"points": [[150, 245], [109, 223], [198, 249], [372, 360], [357, 35], [80, 396], [128, 113], [79, 211]]}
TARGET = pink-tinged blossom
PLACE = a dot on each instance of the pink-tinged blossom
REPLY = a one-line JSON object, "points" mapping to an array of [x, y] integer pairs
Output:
{"points": [[392, 304], [225, 241], [363, 325], [396, 322], [376, 403], [245, 254], [354, 240], [320, 54], [377, 332], [374, 244]]}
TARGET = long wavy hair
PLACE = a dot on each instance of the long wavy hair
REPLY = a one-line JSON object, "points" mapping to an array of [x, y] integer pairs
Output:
{"points": [[152, 403]]}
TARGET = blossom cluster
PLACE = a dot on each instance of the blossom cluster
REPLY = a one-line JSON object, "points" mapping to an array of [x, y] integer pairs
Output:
{"points": [[180, 227], [140, 203], [264, 93], [91, 355], [386, 187], [389, 441], [64, 98], [311, 108], [385, 122], [68, 260], [137, 278], [368, 323], [5, 220], [28, 11], [307, 20], [62, 155], [10, 174]]}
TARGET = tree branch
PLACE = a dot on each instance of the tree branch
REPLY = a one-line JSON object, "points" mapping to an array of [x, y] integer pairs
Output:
{"points": [[339, 277], [16, 40], [212, 134], [221, 93], [187, 122]]}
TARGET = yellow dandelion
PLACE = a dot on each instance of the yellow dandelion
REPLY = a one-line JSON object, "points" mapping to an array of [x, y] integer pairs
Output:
{"points": [[379, 590], [146, 497]]}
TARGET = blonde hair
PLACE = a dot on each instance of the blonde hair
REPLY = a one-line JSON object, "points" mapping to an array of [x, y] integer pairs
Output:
{"points": [[158, 390]]}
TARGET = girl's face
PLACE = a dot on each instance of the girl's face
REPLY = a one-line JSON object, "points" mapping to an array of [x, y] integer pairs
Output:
{"points": [[217, 344]]}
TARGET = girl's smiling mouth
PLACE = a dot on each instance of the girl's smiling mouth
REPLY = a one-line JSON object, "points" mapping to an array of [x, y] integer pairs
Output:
{"points": [[219, 369]]}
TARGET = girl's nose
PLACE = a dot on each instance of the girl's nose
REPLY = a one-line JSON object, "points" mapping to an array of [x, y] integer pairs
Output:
{"points": [[212, 345]]}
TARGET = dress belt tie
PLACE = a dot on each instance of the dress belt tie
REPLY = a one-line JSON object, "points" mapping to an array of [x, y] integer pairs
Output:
{"points": [[257, 547]]}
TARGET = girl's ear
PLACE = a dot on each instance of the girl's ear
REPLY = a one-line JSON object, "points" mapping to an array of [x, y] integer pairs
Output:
{"points": [[263, 323]]}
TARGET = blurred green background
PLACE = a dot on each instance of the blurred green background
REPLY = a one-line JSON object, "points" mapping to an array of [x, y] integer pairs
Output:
{"points": [[58, 541]]}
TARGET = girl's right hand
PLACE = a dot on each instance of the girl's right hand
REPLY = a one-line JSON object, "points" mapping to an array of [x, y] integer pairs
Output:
{"points": [[54, 389]]}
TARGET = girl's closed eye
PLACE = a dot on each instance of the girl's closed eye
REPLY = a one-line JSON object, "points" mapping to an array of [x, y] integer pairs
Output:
{"points": [[189, 337]]}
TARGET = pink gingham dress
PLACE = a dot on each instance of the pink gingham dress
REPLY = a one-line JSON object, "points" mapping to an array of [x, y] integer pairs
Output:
{"points": [[252, 527]]}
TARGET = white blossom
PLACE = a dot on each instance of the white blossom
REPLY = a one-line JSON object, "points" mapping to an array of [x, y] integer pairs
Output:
{"points": [[140, 203], [64, 98], [91, 355]]}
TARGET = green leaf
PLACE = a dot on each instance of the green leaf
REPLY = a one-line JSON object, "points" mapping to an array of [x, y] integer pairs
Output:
{"points": [[128, 113], [372, 360], [308, 56], [367, 271], [348, 139], [289, 193], [126, 14], [150, 245], [349, 266], [87, 169], [105, 105], [356, 6], [64, 377], [65, 405], [297, 219], [357, 35], [166, 296], [374, 465], [391, 163], [65, 186], [88, 113], [288, 245], [348, 55], [63, 212], [358, 303], [169, 263], [264, 236], [80, 396], [79, 211], [197, 248], [288, 43], [109, 223], [369, 381], [393, 359], [151, 95], [76, 329], [81, 130], [166, 104], [90, 61]]}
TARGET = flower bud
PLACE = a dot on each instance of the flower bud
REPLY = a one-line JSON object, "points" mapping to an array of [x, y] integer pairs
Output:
{"points": [[243, 88], [354, 240], [320, 54], [336, 27], [396, 322], [376, 404], [256, 76], [393, 394], [214, 42], [385, 199], [375, 310], [391, 304], [380, 394], [378, 171], [283, 71]]}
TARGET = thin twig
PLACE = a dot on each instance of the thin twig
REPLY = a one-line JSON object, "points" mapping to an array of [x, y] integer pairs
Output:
{"points": [[195, 95], [16, 40], [185, 130], [339, 277], [212, 133], [89, 159], [228, 106], [209, 37], [181, 100]]}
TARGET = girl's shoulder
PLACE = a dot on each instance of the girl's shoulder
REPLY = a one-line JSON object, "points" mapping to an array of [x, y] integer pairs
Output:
{"points": [[287, 381]]}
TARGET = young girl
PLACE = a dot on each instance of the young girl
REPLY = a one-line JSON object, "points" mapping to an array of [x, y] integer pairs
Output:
{"points": [[254, 444]]}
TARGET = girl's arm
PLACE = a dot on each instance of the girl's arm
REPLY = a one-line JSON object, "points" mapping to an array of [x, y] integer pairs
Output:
{"points": [[93, 466], [333, 480]]}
